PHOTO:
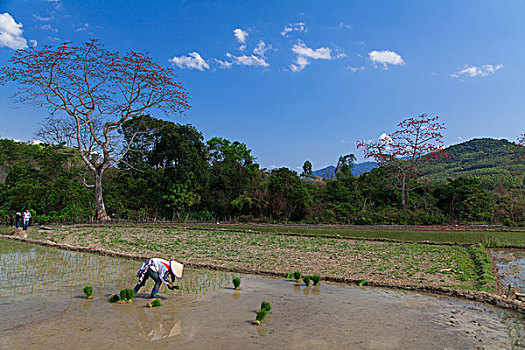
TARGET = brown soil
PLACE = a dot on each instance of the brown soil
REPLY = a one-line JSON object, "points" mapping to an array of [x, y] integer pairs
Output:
{"points": [[382, 264]]}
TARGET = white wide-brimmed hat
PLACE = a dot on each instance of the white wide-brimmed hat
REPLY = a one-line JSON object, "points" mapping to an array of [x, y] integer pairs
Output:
{"points": [[176, 268]]}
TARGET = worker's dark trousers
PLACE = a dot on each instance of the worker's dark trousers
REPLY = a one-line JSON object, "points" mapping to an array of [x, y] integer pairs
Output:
{"points": [[155, 277]]}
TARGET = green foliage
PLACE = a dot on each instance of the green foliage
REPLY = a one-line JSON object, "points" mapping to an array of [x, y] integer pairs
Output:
{"points": [[297, 275], [362, 282], [265, 305], [126, 295], [306, 280], [155, 303], [114, 298], [483, 268], [236, 283], [261, 315], [316, 279], [88, 291]]}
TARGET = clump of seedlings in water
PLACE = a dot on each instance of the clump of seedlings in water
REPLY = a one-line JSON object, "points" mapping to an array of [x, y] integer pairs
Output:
{"points": [[362, 282], [261, 315], [297, 275], [265, 305], [289, 275], [306, 280], [88, 291], [126, 295], [316, 279], [237, 283], [154, 303], [114, 298]]}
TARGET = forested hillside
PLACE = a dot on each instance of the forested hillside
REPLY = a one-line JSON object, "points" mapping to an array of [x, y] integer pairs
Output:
{"points": [[492, 162]]}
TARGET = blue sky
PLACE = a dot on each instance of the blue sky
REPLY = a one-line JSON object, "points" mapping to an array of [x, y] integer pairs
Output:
{"points": [[302, 80]]}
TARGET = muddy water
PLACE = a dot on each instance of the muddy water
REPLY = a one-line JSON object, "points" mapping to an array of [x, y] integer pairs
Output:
{"points": [[42, 307], [510, 264]]}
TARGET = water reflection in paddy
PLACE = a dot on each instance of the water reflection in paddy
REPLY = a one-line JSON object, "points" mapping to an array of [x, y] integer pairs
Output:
{"points": [[42, 307]]}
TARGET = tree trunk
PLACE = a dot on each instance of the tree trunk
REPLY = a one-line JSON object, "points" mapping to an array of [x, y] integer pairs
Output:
{"points": [[101, 208], [403, 190]]}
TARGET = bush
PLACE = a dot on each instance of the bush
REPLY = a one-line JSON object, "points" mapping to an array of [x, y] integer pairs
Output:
{"points": [[236, 283], [88, 291]]}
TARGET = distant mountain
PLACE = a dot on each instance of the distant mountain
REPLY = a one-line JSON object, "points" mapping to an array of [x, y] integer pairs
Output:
{"points": [[358, 169]]}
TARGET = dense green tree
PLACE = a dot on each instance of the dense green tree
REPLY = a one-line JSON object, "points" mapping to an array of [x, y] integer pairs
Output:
{"points": [[344, 167], [233, 176], [307, 170], [288, 197], [464, 199]]}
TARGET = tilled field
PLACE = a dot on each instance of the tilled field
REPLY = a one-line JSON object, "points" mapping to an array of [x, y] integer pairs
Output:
{"points": [[381, 263]]}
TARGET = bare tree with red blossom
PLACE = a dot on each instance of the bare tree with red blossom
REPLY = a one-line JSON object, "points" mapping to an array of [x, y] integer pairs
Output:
{"points": [[89, 92], [415, 141]]}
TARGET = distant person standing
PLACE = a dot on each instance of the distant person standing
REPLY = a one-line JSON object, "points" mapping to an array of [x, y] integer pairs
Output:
{"points": [[18, 217], [27, 216], [12, 219]]}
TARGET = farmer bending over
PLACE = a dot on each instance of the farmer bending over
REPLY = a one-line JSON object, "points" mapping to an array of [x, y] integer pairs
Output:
{"points": [[159, 270]]}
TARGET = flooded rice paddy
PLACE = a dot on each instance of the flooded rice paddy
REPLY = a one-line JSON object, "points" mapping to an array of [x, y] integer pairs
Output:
{"points": [[511, 267], [42, 307]]}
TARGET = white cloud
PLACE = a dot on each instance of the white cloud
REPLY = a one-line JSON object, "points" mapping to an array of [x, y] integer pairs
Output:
{"points": [[33, 43], [11, 33], [43, 19], [385, 58], [294, 27], [245, 60], [81, 27], [305, 53], [355, 69], [192, 61], [261, 49], [481, 71], [344, 26], [241, 36], [48, 27], [385, 138]]}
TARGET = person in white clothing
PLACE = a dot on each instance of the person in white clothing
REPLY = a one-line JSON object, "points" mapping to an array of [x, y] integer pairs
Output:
{"points": [[27, 216], [160, 271]]}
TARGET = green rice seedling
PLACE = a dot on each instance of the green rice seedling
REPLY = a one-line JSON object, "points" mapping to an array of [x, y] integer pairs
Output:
{"points": [[154, 303], [126, 295], [261, 315], [297, 275], [289, 275], [306, 280], [362, 282], [114, 298], [88, 291], [237, 283], [316, 279], [265, 305]]}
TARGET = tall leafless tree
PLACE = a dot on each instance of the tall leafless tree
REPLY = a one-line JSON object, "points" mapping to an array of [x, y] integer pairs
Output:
{"points": [[89, 92]]}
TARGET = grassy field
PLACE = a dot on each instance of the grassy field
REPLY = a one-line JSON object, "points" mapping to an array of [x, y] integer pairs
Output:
{"points": [[437, 235]]}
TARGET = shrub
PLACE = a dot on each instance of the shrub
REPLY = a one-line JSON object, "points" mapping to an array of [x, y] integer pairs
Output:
{"points": [[237, 283], [266, 306], [88, 291], [114, 298], [154, 303], [306, 280], [261, 315], [126, 295], [316, 279]]}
